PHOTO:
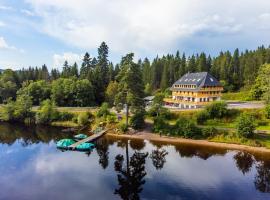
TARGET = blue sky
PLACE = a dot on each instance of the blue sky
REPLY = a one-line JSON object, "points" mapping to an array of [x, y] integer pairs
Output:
{"points": [[34, 32]]}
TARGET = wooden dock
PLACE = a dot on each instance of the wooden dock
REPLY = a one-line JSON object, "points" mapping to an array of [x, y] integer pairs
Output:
{"points": [[89, 139]]}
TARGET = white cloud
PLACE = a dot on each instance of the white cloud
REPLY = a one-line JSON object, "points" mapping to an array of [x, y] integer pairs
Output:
{"points": [[4, 44], [155, 26], [5, 7], [2, 24], [27, 12], [58, 60]]}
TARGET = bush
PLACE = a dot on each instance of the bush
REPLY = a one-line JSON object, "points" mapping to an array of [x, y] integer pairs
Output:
{"points": [[267, 111], [209, 132], [157, 110], [65, 116], [137, 120], [18, 110], [160, 125], [46, 113], [111, 118], [186, 128], [202, 116], [103, 110], [123, 127], [217, 109], [83, 119], [246, 125]]}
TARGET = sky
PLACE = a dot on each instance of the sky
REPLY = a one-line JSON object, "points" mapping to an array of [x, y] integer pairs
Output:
{"points": [[36, 32]]}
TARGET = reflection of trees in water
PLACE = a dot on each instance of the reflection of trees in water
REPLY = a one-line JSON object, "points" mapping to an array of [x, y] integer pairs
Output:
{"points": [[158, 157], [102, 147], [203, 152], [244, 161], [137, 144], [28, 135], [130, 177], [262, 178]]}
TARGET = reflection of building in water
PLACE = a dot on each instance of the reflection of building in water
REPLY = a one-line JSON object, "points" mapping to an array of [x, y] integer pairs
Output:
{"points": [[194, 90]]}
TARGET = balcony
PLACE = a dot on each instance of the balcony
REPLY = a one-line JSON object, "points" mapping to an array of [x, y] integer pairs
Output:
{"points": [[170, 100]]}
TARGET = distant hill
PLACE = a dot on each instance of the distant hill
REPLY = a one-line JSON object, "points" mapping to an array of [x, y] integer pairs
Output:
{"points": [[1, 70]]}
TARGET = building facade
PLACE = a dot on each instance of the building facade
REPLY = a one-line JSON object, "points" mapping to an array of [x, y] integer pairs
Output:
{"points": [[194, 90]]}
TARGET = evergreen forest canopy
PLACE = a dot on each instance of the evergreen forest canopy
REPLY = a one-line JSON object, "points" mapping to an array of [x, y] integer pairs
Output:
{"points": [[96, 80]]}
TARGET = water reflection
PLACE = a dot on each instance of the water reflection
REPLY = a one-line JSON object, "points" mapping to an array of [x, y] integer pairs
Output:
{"points": [[244, 161], [126, 169], [10, 133], [262, 178], [130, 174], [158, 157]]}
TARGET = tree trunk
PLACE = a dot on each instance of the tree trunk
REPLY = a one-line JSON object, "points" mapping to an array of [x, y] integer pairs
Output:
{"points": [[127, 108]]}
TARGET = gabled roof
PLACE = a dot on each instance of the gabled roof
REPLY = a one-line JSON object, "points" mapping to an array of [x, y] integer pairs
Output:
{"points": [[199, 79]]}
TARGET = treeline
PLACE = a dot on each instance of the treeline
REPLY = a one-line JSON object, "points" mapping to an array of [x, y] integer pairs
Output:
{"points": [[86, 85]]}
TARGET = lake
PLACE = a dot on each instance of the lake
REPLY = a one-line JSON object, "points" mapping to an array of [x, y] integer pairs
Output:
{"points": [[31, 167]]}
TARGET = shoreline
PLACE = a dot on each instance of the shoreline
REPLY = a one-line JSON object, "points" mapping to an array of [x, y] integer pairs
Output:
{"points": [[203, 143]]}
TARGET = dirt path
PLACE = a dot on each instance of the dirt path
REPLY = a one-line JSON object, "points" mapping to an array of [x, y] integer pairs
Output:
{"points": [[146, 135]]}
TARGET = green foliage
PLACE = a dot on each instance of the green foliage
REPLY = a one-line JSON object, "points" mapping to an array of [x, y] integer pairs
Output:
{"points": [[72, 92], [147, 89], [123, 127], [239, 96], [261, 88], [111, 118], [130, 90], [111, 91], [186, 128], [160, 125], [103, 111], [137, 120], [217, 109], [209, 132], [66, 116], [202, 116], [157, 108], [245, 125], [18, 110], [83, 119], [47, 113], [8, 85], [38, 91], [7, 112], [267, 111]]}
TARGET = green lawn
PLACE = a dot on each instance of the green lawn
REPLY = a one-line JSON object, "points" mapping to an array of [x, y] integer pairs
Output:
{"points": [[235, 96]]}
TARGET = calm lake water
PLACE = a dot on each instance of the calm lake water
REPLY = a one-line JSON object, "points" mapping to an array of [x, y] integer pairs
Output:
{"points": [[32, 168]]}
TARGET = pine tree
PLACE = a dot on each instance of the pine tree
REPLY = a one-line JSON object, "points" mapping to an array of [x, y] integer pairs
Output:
{"points": [[86, 66], [130, 87]]}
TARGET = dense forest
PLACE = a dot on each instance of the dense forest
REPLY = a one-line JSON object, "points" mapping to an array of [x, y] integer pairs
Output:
{"points": [[96, 80]]}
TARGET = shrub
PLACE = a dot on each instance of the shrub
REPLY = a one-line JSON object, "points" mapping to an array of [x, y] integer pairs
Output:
{"points": [[186, 128], [245, 125], [137, 120], [65, 116], [7, 112], [111, 118], [267, 111], [46, 113], [83, 119], [123, 127], [160, 125], [103, 110], [202, 116], [217, 109], [18, 110], [157, 110], [209, 132]]}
